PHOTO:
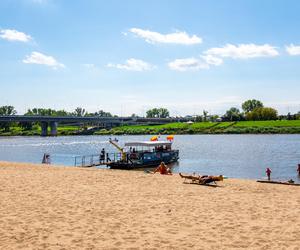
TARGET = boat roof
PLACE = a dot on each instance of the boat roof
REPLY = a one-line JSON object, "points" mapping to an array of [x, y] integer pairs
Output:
{"points": [[147, 143]]}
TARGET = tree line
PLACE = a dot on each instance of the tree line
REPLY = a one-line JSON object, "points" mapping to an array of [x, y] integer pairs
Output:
{"points": [[252, 110], [78, 112]]}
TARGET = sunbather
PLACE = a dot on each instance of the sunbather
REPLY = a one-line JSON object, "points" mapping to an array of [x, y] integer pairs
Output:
{"points": [[162, 169], [205, 179], [209, 179]]}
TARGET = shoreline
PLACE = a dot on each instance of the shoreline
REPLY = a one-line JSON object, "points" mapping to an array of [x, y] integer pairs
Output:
{"points": [[62, 207], [124, 134], [241, 127]]}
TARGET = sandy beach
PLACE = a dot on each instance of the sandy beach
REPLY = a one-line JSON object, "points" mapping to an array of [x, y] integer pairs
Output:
{"points": [[47, 207]]}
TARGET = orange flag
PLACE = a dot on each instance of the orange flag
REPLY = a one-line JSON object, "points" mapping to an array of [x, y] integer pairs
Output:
{"points": [[154, 138], [170, 137]]}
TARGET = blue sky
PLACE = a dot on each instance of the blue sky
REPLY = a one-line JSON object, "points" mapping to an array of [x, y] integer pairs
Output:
{"points": [[128, 56]]}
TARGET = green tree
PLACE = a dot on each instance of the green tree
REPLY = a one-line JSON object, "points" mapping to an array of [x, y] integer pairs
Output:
{"points": [[262, 114], [233, 114], [6, 110], [102, 113], [26, 125], [41, 112], [199, 118], [157, 113], [213, 118], [250, 105], [205, 114], [61, 113], [79, 111], [99, 113]]}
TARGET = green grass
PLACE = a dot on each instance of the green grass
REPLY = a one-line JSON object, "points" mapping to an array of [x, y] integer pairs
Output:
{"points": [[36, 130], [225, 124], [244, 127], [170, 128], [68, 128], [292, 123]]}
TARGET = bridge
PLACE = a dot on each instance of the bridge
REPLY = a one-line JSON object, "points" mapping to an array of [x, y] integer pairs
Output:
{"points": [[105, 122]]}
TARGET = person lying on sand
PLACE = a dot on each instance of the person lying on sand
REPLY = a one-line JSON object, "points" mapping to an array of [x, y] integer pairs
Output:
{"points": [[205, 179], [163, 169], [209, 179]]}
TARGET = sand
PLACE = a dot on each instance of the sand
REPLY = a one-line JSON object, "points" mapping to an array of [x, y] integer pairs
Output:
{"points": [[47, 207]]}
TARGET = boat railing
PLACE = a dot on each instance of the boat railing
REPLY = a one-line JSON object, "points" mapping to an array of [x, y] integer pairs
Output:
{"points": [[96, 160]]}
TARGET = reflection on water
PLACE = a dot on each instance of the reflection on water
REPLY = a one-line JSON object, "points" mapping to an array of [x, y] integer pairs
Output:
{"points": [[241, 156]]}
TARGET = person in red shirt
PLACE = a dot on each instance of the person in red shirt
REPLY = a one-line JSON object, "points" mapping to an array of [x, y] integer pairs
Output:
{"points": [[268, 172], [162, 169]]}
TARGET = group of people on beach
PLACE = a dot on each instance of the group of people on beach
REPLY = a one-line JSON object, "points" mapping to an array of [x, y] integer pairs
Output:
{"points": [[163, 169]]}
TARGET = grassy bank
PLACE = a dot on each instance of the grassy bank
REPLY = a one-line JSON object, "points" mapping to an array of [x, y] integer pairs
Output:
{"points": [[244, 127], [36, 130]]}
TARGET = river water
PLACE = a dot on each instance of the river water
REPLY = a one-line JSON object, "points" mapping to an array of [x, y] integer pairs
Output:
{"points": [[239, 156]]}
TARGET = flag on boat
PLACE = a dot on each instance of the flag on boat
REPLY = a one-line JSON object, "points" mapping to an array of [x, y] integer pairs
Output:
{"points": [[154, 138], [170, 137]]}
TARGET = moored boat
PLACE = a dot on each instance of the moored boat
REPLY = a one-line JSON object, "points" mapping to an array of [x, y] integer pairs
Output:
{"points": [[144, 154]]}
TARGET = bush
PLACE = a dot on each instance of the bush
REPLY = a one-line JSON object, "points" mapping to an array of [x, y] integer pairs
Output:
{"points": [[262, 114]]}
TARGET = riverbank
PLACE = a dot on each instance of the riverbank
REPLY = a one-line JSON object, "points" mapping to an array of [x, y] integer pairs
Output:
{"points": [[73, 208], [243, 127]]}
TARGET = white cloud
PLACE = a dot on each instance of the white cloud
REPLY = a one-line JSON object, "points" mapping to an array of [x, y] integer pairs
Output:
{"points": [[39, 58], [293, 50], [212, 60], [188, 64], [244, 51], [179, 37], [14, 35], [133, 64]]}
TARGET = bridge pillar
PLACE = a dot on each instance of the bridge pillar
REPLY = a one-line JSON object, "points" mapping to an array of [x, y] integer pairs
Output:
{"points": [[44, 127], [53, 128]]}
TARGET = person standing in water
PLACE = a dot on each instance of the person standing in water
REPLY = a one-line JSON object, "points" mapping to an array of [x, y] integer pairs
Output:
{"points": [[298, 169], [268, 172], [46, 159]]}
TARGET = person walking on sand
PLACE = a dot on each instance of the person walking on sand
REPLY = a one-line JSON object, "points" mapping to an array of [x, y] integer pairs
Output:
{"points": [[162, 169], [268, 172]]}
